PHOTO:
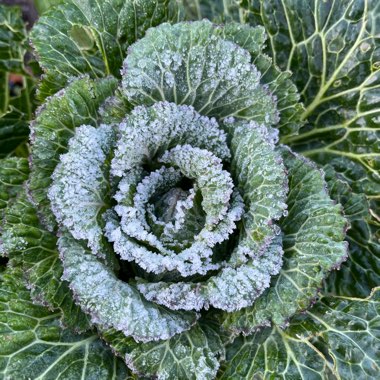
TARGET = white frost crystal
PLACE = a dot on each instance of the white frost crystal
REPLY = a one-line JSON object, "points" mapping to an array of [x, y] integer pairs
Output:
{"points": [[80, 186]]}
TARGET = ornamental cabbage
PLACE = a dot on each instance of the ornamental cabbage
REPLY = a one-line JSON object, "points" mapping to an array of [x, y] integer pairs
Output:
{"points": [[171, 210]]}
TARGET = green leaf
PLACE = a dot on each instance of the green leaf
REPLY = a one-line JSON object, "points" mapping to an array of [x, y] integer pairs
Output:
{"points": [[360, 273], [16, 102], [113, 303], [54, 125], [189, 63], [333, 50], [43, 5], [33, 344], [92, 37], [278, 82], [313, 231], [192, 355], [13, 172], [217, 10], [26, 242], [337, 339], [12, 40]]}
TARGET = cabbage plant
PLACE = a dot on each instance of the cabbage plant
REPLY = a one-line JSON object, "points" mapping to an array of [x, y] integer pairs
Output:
{"points": [[200, 200]]}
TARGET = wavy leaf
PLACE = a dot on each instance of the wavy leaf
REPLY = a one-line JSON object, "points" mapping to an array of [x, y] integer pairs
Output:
{"points": [[192, 355], [13, 172], [114, 303], [55, 123], [313, 232]]}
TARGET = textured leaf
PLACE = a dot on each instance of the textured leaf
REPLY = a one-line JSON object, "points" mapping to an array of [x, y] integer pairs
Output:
{"points": [[332, 47], [24, 241], [313, 232], [113, 303], [337, 339], [79, 199], [192, 355], [33, 344], [55, 123], [13, 172], [187, 63], [92, 36], [278, 82]]}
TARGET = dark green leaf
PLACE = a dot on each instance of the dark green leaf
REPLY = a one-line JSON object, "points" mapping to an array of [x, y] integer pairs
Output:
{"points": [[24, 241], [337, 339], [92, 36], [333, 49], [33, 344]]}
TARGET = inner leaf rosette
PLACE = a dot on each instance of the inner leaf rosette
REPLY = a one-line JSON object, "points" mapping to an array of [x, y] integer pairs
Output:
{"points": [[176, 200]]}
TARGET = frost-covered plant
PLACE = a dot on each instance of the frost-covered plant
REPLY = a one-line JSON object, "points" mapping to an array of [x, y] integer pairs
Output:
{"points": [[166, 211]]}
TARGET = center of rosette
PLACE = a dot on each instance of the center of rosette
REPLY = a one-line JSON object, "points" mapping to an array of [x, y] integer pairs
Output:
{"points": [[168, 136]]}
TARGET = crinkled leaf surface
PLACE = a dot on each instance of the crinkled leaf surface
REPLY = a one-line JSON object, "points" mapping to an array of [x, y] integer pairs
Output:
{"points": [[26, 242], [92, 36], [33, 344], [113, 303], [192, 355], [199, 68], [54, 125], [313, 233], [338, 338], [332, 47]]}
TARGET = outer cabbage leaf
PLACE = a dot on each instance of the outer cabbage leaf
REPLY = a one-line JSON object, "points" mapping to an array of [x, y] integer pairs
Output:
{"points": [[337, 339], [13, 172], [114, 303], [55, 123], [92, 36], [16, 106], [34, 345], [26, 242], [313, 232], [194, 354], [216, 10], [332, 47], [360, 273]]}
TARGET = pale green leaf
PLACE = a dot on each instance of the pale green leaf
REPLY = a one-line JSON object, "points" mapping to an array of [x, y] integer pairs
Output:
{"points": [[54, 125], [188, 63], [114, 303], [313, 233], [192, 355]]}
